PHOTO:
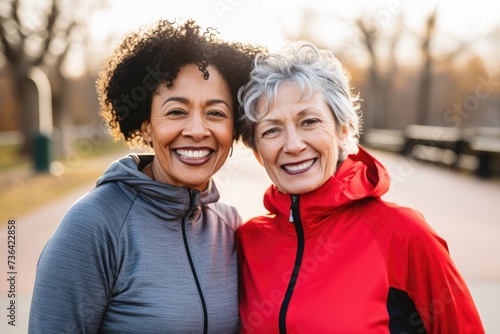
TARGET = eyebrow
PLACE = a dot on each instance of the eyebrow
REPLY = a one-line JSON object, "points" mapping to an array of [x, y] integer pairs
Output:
{"points": [[186, 101], [299, 114], [217, 101]]}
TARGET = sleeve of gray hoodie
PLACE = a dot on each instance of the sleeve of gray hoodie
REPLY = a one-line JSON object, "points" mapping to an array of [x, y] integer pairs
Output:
{"points": [[75, 272]]}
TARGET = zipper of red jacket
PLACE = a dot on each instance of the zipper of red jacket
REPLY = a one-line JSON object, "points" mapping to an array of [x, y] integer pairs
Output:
{"points": [[189, 214], [295, 220]]}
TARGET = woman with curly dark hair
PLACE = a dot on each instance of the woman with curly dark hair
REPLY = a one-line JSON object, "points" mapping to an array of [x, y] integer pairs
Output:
{"points": [[150, 249]]}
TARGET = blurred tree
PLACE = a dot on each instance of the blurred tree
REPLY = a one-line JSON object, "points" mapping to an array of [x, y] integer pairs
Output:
{"points": [[430, 58], [35, 35], [381, 77], [424, 89]]}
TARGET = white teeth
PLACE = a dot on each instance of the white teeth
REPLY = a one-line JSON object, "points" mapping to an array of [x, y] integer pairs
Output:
{"points": [[189, 154], [298, 168]]}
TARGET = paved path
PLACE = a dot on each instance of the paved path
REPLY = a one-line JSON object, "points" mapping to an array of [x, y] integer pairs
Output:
{"points": [[461, 208]]}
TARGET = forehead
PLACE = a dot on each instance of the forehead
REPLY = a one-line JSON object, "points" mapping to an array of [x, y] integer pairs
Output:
{"points": [[191, 86], [290, 100], [191, 74]]}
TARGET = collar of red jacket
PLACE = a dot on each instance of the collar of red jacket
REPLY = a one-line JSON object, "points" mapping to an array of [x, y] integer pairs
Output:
{"points": [[359, 176]]}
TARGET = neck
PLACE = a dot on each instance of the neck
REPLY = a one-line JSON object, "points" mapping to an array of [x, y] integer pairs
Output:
{"points": [[148, 170]]}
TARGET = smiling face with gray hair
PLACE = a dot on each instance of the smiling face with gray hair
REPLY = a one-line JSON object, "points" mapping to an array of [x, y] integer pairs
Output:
{"points": [[299, 116]]}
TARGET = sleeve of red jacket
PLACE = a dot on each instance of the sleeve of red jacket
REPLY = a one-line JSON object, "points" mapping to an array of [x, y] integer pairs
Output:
{"points": [[420, 264]]}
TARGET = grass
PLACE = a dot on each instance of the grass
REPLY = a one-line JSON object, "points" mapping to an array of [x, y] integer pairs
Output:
{"points": [[23, 195], [10, 158], [22, 190]]}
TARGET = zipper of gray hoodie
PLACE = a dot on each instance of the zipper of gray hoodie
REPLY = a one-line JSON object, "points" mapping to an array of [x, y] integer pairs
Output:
{"points": [[189, 214]]}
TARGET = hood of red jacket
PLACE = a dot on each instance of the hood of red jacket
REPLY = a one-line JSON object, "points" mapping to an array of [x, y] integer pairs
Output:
{"points": [[360, 176]]}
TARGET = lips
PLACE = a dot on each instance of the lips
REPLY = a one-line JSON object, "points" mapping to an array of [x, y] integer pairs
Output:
{"points": [[194, 156], [299, 167]]}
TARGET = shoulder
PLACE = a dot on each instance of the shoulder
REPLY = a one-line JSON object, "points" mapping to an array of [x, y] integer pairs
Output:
{"points": [[401, 230], [103, 209], [387, 217], [253, 228], [398, 229], [227, 214]]}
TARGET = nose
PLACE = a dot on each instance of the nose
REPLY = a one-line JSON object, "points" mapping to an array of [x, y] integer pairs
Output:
{"points": [[294, 143], [196, 128]]}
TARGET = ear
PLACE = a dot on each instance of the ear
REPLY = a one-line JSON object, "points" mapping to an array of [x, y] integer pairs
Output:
{"points": [[344, 131], [146, 131], [258, 157]]}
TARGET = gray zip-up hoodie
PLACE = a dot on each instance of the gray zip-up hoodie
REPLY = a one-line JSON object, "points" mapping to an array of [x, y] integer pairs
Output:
{"points": [[139, 256]]}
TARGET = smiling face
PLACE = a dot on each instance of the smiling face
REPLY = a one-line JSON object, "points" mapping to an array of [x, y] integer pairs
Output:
{"points": [[191, 128], [297, 141]]}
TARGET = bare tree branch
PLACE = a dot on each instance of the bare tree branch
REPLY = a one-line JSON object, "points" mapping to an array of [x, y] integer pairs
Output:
{"points": [[15, 16], [8, 50], [52, 17], [369, 38], [424, 90]]}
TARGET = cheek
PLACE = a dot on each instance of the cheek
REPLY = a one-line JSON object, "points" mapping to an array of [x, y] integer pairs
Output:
{"points": [[165, 131], [333, 135], [331, 158], [268, 150], [224, 134], [326, 137], [327, 143]]}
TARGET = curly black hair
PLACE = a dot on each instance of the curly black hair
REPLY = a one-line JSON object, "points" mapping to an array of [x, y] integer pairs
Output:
{"points": [[153, 56]]}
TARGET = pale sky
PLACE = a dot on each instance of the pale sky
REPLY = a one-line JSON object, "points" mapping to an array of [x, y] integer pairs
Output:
{"points": [[259, 20], [263, 21]]}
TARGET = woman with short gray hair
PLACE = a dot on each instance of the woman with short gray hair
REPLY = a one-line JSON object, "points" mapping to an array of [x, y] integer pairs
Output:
{"points": [[332, 256]]}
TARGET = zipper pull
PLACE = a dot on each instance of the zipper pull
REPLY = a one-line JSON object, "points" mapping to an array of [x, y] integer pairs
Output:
{"points": [[192, 206], [294, 204]]}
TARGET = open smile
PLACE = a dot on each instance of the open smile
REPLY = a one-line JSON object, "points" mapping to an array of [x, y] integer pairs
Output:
{"points": [[194, 156], [300, 167]]}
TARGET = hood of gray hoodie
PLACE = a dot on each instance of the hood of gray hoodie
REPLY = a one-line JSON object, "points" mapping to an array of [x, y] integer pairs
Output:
{"points": [[127, 171]]}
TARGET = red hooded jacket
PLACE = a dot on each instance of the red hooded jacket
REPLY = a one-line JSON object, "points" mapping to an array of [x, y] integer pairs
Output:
{"points": [[341, 260]]}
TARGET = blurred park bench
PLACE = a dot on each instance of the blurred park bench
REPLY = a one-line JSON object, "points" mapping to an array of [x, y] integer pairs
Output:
{"points": [[475, 149]]}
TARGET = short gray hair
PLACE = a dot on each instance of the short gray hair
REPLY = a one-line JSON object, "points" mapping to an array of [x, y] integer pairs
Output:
{"points": [[314, 71]]}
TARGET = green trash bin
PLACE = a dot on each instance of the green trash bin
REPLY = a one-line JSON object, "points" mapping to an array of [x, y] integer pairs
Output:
{"points": [[42, 151]]}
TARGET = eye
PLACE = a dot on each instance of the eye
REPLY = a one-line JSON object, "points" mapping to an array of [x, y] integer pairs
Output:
{"points": [[217, 113], [270, 132], [175, 112], [310, 121]]}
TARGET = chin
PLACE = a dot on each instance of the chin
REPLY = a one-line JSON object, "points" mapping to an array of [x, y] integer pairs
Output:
{"points": [[295, 190], [298, 190]]}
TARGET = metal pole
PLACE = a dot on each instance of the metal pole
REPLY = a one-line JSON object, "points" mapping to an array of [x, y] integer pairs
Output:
{"points": [[42, 84], [42, 140]]}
